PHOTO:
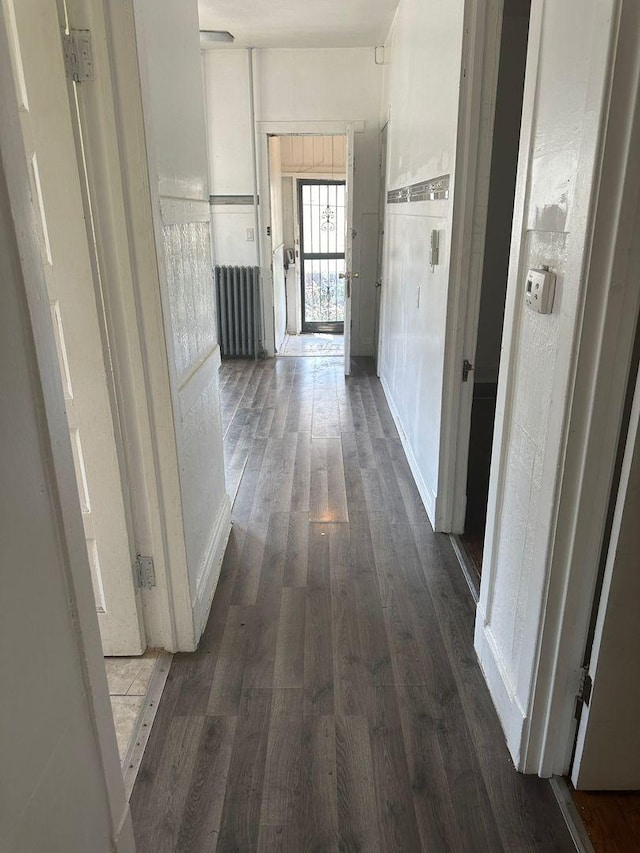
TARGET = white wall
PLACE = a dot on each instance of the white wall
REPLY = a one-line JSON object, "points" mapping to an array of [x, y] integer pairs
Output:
{"points": [[229, 127], [422, 63], [61, 785], [315, 86], [563, 112], [168, 44], [313, 154]]}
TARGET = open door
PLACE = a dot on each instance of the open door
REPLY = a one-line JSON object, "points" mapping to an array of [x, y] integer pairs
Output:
{"points": [[607, 755], [321, 205], [348, 274], [382, 204], [73, 284]]}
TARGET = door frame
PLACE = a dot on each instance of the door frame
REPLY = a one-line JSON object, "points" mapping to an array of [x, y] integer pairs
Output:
{"points": [[478, 85], [611, 303], [118, 167], [265, 129], [329, 327], [81, 601], [382, 226], [600, 365]]}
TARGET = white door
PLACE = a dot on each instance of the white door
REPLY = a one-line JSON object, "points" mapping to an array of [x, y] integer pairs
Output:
{"points": [[607, 755], [382, 204], [73, 284], [348, 251]]}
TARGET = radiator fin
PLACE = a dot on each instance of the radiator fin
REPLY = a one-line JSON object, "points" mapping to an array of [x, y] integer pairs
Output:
{"points": [[237, 301]]}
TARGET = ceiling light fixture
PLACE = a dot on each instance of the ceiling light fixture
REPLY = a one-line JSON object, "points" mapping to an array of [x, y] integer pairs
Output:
{"points": [[216, 36]]}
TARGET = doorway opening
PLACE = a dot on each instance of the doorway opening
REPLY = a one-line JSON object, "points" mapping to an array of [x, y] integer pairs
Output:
{"points": [[308, 181], [321, 209], [502, 181]]}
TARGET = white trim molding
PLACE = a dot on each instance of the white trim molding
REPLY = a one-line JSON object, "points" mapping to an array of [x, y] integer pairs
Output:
{"points": [[534, 690], [510, 712], [426, 495], [209, 573]]}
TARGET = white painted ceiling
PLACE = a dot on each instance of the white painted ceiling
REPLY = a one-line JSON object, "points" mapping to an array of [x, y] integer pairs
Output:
{"points": [[300, 23]]}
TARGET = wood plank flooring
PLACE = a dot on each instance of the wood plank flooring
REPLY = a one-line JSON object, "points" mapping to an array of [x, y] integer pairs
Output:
{"points": [[335, 702], [611, 818]]}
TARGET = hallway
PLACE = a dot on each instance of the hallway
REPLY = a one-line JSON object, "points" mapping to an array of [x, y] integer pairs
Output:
{"points": [[335, 702]]}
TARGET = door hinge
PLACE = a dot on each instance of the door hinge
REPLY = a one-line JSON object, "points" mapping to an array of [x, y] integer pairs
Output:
{"points": [[585, 688], [78, 58], [144, 572], [467, 367]]}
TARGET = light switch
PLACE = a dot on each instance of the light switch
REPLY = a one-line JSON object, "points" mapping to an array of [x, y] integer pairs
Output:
{"points": [[434, 249], [250, 235], [540, 290]]}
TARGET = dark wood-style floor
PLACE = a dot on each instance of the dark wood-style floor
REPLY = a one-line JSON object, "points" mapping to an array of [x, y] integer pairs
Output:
{"points": [[611, 818], [335, 703]]}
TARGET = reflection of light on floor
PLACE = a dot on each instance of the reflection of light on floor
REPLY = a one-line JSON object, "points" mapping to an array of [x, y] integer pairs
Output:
{"points": [[314, 344]]}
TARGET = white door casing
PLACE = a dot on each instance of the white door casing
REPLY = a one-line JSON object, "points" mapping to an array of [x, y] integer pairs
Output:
{"points": [[73, 284], [348, 250], [264, 129], [607, 753], [382, 202]]}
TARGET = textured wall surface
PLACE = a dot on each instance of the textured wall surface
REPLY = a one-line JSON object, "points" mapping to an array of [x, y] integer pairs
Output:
{"points": [[423, 56], [555, 192], [193, 324], [191, 294]]}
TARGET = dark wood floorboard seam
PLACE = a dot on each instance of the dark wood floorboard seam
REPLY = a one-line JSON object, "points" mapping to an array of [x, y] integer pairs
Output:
{"points": [[335, 702]]}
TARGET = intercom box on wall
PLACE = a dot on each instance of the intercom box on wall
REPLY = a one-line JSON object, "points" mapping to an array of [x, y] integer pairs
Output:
{"points": [[540, 290]]}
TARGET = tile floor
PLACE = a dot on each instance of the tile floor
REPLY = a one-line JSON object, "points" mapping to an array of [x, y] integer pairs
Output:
{"points": [[316, 344], [128, 680]]}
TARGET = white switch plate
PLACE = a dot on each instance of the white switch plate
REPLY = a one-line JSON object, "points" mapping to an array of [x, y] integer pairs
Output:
{"points": [[540, 288], [250, 235], [434, 249]]}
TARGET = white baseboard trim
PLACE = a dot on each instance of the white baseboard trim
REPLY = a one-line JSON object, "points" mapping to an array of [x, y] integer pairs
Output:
{"points": [[510, 713], [210, 570], [125, 841], [426, 495]]}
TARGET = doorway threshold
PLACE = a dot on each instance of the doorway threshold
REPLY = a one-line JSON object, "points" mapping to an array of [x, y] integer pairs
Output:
{"points": [[135, 688], [313, 344], [571, 815], [469, 570]]}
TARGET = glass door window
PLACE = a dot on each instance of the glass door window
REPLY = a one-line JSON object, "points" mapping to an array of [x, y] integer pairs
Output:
{"points": [[322, 233]]}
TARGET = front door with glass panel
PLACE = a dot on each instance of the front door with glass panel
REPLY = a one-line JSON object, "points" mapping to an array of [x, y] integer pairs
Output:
{"points": [[321, 206]]}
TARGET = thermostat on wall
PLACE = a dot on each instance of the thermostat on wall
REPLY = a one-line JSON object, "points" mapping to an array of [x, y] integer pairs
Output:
{"points": [[540, 290]]}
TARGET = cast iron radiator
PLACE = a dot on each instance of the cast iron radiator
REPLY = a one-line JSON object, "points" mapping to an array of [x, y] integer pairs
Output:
{"points": [[237, 303]]}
